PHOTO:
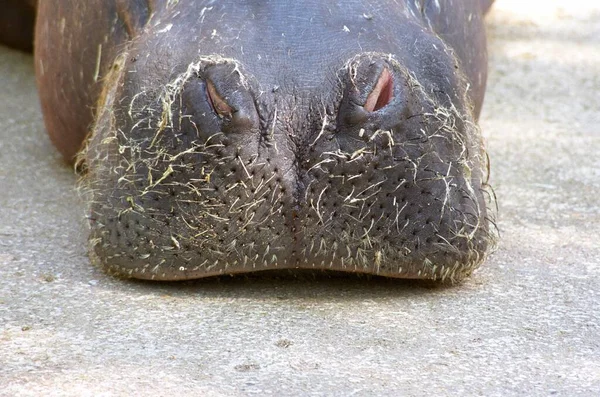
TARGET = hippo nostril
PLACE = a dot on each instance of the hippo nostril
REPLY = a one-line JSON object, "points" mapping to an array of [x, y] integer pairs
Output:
{"points": [[382, 94], [219, 104]]}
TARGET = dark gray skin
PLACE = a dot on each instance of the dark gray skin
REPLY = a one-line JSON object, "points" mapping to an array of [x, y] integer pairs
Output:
{"points": [[237, 136]]}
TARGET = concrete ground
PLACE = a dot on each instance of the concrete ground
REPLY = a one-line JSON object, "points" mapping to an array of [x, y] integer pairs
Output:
{"points": [[527, 323]]}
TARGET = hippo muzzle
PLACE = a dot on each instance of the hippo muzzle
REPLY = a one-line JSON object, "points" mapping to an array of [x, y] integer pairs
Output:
{"points": [[213, 163]]}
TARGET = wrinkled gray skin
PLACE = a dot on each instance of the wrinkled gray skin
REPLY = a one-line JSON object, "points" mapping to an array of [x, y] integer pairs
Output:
{"points": [[282, 165]]}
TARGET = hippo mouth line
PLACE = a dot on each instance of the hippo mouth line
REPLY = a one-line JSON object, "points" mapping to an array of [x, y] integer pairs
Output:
{"points": [[171, 202]]}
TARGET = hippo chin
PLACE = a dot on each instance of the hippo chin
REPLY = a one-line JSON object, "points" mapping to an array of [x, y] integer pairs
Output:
{"points": [[238, 136]]}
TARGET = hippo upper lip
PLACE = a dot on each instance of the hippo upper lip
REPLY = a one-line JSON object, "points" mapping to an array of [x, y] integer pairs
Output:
{"points": [[372, 195]]}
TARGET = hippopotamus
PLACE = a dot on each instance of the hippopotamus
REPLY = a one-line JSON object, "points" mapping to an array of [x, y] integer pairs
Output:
{"points": [[223, 137]]}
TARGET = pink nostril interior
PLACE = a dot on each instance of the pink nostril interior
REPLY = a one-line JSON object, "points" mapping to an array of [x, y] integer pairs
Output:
{"points": [[382, 94], [218, 104]]}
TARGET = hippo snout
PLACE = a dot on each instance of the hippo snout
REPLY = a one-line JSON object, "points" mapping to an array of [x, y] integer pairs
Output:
{"points": [[216, 173]]}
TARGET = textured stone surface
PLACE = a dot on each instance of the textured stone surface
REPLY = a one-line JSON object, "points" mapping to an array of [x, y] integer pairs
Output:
{"points": [[527, 323]]}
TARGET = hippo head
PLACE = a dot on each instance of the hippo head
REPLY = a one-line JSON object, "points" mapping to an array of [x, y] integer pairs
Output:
{"points": [[288, 135]]}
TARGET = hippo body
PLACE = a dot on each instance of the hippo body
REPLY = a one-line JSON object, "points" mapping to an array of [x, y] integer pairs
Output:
{"points": [[222, 137]]}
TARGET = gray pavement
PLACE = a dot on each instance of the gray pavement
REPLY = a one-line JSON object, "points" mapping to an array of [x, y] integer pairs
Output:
{"points": [[527, 323]]}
